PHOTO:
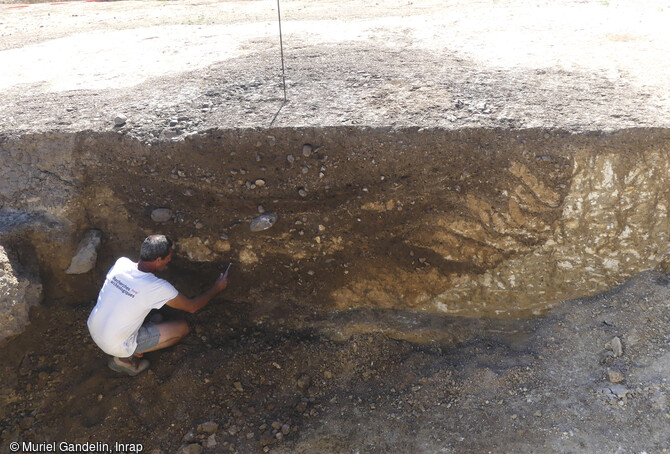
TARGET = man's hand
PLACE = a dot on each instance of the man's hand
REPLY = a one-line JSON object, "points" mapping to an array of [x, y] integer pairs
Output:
{"points": [[221, 283], [191, 305]]}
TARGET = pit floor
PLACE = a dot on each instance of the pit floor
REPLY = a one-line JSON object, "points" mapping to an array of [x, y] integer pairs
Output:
{"points": [[540, 385]]}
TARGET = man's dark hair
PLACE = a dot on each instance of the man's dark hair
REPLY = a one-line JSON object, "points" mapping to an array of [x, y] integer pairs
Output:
{"points": [[155, 247]]}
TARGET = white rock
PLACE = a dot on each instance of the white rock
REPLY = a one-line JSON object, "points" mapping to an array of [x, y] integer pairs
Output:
{"points": [[120, 120], [161, 215], [263, 222], [87, 253]]}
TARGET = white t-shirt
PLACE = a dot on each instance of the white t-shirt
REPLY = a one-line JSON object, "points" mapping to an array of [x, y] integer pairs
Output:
{"points": [[126, 298]]}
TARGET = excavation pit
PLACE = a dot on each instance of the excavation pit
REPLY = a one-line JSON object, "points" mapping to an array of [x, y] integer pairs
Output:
{"points": [[475, 223], [442, 241]]}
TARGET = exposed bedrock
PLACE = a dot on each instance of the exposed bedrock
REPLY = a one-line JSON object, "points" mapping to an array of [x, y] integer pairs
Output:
{"points": [[473, 222]]}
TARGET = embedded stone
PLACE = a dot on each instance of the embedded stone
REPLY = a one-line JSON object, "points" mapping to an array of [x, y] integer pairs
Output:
{"points": [[198, 250], [248, 257], [263, 222], [87, 253], [303, 382], [208, 427], [161, 215]]}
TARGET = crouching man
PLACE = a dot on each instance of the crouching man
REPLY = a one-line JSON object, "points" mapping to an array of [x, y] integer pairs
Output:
{"points": [[131, 290]]}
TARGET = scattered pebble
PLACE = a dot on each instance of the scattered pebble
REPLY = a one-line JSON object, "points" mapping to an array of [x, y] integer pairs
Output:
{"points": [[238, 386], [208, 427], [211, 441], [120, 120], [290, 159], [193, 448], [616, 347], [266, 439], [303, 382], [301, 407], [307, 150], [615, 376], [189, 437], [302, 192], [259, 183]]}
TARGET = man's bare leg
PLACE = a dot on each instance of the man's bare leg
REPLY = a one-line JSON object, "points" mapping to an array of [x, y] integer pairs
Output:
{"points": [[170, 333]]}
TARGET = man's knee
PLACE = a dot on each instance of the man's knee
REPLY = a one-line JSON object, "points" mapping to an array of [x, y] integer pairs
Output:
{"points": [[173, 330], [185, 329]]}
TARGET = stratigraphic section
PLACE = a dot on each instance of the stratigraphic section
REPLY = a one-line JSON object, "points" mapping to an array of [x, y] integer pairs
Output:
{"points": [[472, 222]]}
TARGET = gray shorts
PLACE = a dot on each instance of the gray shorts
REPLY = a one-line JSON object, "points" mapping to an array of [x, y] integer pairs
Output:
{"points": [[147, 337]]}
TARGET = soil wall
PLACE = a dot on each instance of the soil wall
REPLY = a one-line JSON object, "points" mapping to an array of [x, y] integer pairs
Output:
{"points": [[471, 222]]}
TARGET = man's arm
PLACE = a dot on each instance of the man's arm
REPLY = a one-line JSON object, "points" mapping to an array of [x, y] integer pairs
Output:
{"points": [[192, 305]]}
